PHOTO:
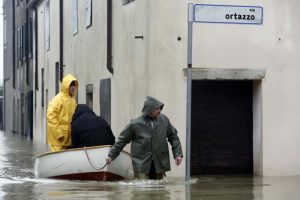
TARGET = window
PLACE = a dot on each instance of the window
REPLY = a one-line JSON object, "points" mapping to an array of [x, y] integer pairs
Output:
{"points": [[75, 16], [105, 99], [25, 57], [47, 25], [4, 32], [18, 45], [88, 13], [36, 77], [57, 77], [89, 96], [46, 99], [22, 44], [43, 87], [30, 37], [24, 30], [126, 1]]}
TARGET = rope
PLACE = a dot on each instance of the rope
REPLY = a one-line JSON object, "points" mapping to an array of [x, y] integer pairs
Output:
{"points": [[91, 162]]}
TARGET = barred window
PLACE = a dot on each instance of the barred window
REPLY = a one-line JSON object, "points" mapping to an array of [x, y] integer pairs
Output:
{"points": [[30, 37], [89, 95], [47, 25], [75, 17], [88, 13]]}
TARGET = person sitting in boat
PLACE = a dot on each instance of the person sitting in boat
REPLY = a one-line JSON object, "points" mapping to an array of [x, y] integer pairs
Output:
{"points": [[148, 135], [88, 129], [59, 114]]}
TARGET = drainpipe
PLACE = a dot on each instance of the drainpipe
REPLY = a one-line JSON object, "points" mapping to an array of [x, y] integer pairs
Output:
{"points": [[36, 48], [14, 46], [189, 92], [109, 37], [61, 39]]}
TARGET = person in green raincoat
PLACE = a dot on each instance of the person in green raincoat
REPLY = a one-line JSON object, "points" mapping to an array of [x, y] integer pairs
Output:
{"points": [[148, 135], [59, 115]]}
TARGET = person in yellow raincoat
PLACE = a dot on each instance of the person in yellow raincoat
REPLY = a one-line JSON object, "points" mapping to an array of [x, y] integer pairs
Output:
{"points": [[59, 114]]}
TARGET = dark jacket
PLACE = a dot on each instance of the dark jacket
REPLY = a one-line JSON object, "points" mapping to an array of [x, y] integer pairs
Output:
{"points": [[148, 137], [88, 129]]}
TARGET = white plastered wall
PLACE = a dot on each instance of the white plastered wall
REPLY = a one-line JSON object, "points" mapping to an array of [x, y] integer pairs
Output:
{"points": [[272, 46], [85, 52], [154, 66], [46, 61]]}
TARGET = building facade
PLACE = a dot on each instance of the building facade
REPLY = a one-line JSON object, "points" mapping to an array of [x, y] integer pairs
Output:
{"points": [[244, 116], [18, 93], [8, 63]]}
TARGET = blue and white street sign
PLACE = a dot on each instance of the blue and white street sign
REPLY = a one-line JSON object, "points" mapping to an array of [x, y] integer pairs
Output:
{"points": [[229, 14]]}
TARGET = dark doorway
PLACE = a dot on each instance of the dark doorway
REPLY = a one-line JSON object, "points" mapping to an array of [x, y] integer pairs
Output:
{"points": [[222, 124]]}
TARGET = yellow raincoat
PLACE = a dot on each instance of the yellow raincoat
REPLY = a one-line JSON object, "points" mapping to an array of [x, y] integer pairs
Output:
{"points": [[59, 116]]}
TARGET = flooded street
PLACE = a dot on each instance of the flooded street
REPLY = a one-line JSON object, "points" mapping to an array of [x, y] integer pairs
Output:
{"points": [[17, 181]]}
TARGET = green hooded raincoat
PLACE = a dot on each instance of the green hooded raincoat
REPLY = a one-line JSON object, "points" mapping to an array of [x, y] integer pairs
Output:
{"points": [[148, 137]]}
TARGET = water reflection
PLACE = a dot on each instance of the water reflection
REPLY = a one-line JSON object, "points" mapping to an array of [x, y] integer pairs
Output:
{"points": [[17, 181], [223, 187], [104, 190]]}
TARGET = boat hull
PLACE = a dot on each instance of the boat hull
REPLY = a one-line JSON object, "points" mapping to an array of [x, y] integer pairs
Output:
{"points": [[84, 164]]}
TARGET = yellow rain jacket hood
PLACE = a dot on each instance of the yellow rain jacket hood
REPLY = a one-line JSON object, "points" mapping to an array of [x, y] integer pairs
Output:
{"points": [[59, 114]]}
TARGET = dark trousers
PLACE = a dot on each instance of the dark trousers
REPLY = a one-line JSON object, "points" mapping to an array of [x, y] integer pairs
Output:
{"points": [[152, 175]]}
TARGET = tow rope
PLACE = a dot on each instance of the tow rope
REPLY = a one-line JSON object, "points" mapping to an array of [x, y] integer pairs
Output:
{"points": [[91, 162]]}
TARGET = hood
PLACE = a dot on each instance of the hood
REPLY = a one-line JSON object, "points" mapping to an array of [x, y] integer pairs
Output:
{"points": [[66, 83], [82, 109], [151, 104]]}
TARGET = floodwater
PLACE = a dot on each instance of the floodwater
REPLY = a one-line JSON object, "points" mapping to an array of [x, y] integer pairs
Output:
{"points": [[17, 181]]}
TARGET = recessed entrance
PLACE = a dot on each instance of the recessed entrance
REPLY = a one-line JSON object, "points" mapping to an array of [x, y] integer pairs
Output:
{"points": [[222, 127]]}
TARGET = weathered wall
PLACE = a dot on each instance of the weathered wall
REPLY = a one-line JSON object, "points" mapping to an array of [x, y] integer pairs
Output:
{"points": [[154, 66]]}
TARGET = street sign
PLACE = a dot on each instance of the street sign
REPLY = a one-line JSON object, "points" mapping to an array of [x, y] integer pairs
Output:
{"points": [[228, 14]]}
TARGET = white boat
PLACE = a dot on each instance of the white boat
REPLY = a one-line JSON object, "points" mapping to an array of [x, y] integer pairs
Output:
{"points": [[87, 163]]}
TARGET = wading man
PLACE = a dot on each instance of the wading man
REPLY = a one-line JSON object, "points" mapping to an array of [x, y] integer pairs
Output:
{"points": [[148, 135]]}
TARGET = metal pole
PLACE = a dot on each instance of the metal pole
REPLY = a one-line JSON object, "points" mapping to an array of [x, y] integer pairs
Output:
{"points": [[189, 92]]}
